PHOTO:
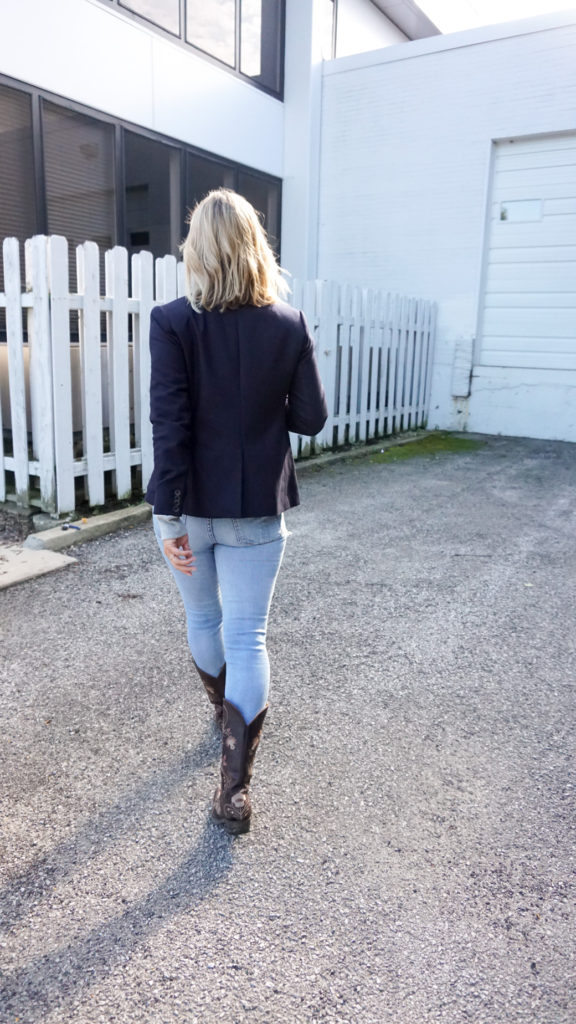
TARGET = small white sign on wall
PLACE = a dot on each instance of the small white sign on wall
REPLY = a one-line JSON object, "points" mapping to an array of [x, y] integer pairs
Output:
{"points": [[518, 210]]}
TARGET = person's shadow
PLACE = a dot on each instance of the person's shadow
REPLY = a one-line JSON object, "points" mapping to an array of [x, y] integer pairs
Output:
{"points": [[49, 981]]}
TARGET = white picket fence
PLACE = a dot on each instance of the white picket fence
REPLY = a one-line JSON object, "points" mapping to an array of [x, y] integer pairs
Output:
{"points": [[75, 366]]}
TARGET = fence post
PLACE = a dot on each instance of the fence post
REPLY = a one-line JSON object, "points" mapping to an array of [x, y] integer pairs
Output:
{"points": [[116, 266], [142, 287], [61, 373], [40, 345], [16, 374]]}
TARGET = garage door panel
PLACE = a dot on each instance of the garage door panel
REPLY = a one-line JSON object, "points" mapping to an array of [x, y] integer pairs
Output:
{"points": [[535, 361], [531, 300], [535, 349], [530, 323], [532, 177], [553, 231], [535, 254], [559, 207], [541, 277], [528, 161], [537, 144], [545, 190]]}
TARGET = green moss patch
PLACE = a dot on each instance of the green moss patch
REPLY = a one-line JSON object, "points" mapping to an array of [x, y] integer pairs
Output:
{"points": [[433, 444]]}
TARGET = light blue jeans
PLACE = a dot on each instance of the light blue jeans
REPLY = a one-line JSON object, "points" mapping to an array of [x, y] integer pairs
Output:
{"points": [[227, 600]]}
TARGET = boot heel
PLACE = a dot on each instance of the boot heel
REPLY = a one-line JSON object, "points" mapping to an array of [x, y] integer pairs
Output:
{"points": [[233, 826]]}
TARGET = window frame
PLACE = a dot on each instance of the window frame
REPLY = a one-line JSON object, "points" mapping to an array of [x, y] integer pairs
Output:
{"points": [[182, 41]]}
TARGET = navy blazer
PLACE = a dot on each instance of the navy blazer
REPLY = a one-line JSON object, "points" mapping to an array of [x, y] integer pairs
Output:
{"points": [[225, 390]]}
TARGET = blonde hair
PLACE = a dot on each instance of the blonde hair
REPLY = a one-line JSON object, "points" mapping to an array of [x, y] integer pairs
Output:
{"points": [[228, 260]]}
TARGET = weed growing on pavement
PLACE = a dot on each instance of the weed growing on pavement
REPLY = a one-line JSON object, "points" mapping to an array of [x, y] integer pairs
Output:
{"points": [[433, 444]]}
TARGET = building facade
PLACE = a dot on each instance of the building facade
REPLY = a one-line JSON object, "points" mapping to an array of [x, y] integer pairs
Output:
{"points": [[378, 152], [117, 115], [449, 170]]}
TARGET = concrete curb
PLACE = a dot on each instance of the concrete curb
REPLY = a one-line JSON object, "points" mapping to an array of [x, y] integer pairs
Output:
{"points": [[98, 526]]}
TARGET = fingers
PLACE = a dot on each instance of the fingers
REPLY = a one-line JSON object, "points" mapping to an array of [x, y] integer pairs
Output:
{"points": [[182, 564], [179, 554], [187, 571]]}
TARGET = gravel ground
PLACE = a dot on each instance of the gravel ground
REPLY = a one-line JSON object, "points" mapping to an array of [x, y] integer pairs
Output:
{"points": [[411, 856], [13, 528]]}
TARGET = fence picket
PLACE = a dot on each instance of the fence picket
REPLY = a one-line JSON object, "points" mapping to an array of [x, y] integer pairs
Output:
{"points": [[166, 279], [88, 271], [116, 265], [395, 310], [16, 374], [369, 411], [142, 285], [343, 371], [39, 343], [355, 341], [181, 283], [61, 371], [419, 347], [430, 338], [326, 346], [382, 316]]}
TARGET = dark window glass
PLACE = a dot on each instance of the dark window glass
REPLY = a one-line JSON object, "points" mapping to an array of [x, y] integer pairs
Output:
{"points": [[202, 175], [153, 201], [260, 30], [211, 26], [17, 192], [265, 197], [79, 170], [165, 13]]}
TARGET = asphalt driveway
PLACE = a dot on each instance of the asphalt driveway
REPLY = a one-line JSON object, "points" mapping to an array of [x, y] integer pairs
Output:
{"points": [[412, 852]]}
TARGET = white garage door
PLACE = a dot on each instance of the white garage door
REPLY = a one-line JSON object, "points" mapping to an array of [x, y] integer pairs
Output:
{"points": [[528, 317]]}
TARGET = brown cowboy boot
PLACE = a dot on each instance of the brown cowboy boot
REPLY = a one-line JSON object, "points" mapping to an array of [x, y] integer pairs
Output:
{"points": [[214, 686], [231, 805]]}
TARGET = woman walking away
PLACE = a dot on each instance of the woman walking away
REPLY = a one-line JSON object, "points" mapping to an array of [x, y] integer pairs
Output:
{"points": [[233, 370]]}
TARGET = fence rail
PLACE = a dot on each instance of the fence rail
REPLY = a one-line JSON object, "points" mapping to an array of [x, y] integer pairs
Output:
{"points": [[75, 368]]}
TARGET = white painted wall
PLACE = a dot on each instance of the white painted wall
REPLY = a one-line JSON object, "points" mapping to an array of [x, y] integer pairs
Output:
{"points": [[97, 55], [361, 26], [302, 102], [405, 165]]}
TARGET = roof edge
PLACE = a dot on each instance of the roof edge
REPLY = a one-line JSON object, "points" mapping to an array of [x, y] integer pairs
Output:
{"points": [[407, 16]]}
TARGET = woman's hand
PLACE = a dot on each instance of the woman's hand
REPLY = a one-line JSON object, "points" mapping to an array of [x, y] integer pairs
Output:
{"points": [[179, 554]]}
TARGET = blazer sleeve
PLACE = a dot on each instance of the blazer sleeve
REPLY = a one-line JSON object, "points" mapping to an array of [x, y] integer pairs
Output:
{"points": [[306, 409], [170, 415]]}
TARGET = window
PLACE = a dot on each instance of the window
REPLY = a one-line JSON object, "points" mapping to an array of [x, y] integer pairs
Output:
{"points": [[260, 41], [152, 195], [212, 28], [203, 175], [245, 35], [107, 182], [79, 176], [17, 189], [165, 13], [265, 197]]}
